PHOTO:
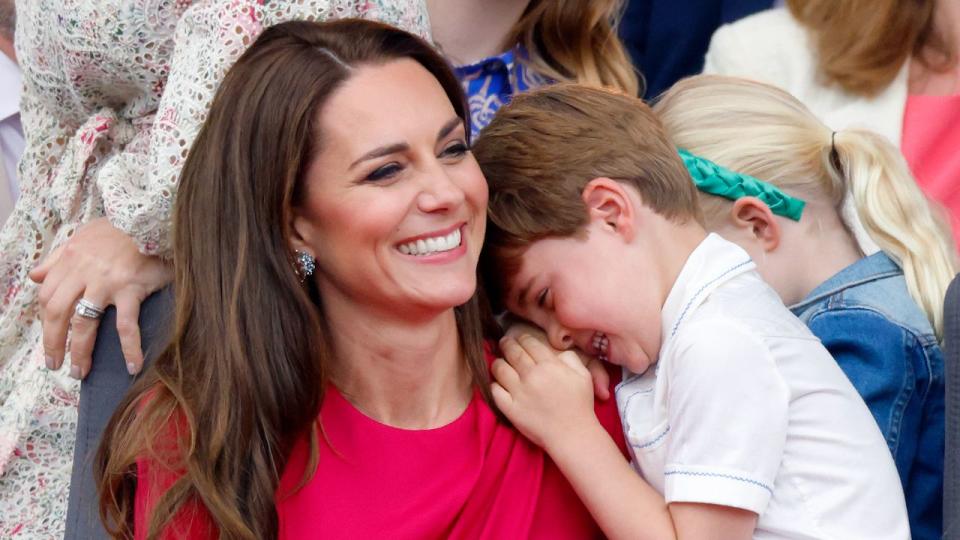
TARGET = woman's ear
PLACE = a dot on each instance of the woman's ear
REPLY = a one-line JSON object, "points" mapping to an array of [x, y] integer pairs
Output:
{"points": [[609, 205], [301, 232], [754, 217]]}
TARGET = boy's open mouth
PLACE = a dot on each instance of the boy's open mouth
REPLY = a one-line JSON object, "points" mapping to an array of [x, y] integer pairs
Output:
{"points": [[600, 344]]}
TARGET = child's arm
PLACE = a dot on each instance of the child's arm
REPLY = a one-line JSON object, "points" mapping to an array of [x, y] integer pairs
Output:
{"points": [[549, 399]]}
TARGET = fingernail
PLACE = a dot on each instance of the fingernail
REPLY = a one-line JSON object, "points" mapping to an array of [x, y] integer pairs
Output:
{"points": [[49, 361], [132, 368], [75, 372]]}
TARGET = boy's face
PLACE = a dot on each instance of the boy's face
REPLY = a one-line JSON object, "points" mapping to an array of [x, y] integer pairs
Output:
{"points": [[588, 292]]}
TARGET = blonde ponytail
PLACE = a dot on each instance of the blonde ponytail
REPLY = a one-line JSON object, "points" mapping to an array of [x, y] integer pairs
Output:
{"points": [[897, 216], [762, 131]]}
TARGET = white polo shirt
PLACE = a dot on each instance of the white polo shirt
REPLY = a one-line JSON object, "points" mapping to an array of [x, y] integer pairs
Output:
{"points": [[745, 408]]}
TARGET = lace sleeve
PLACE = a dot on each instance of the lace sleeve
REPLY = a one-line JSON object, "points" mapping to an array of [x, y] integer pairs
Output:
{"points": [[209, 38]]}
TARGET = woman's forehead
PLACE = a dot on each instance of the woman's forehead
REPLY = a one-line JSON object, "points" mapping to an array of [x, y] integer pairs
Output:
{"points": [[384, 103]]}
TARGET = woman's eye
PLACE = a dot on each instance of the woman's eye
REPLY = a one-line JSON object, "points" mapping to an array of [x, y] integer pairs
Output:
{"points": [[387, 171], [456, 149]]}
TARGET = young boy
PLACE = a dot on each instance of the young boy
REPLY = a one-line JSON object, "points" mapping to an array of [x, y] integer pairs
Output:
{"points": [[738, 420]]}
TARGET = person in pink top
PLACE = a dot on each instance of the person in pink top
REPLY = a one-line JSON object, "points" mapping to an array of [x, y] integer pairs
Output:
{"points": [[889, 66], [327, 374]]}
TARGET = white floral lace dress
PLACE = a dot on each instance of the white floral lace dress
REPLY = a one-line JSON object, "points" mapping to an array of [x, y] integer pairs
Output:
{"points": [[114, 93]]}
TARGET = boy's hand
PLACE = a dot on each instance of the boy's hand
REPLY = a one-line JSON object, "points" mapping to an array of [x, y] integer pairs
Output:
{"points": [[547, 395], [601, 379]]}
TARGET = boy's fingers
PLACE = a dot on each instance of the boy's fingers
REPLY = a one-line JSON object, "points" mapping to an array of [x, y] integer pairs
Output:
{"points": [[601, 379], [537, 349], [516, 355], [572, 360], [501, 398], [504, 373]]}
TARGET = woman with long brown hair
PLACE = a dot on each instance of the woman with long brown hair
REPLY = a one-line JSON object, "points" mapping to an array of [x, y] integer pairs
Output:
{"points": [[327, 374]]}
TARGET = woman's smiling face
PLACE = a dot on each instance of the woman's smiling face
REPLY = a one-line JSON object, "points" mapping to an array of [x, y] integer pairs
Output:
{"points": [[394, 206]]}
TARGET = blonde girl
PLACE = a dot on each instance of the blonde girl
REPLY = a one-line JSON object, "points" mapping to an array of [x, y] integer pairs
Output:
{"points": [[879, 315]]}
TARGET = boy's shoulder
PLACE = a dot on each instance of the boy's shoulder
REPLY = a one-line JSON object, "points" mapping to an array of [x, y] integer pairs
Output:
{"points": [[750, 304]]}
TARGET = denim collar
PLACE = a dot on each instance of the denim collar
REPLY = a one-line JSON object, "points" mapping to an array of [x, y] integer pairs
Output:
{"points": [[876, 266]]}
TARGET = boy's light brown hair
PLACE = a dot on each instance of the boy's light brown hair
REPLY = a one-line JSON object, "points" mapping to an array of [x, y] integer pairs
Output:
{"points": [[540, 152]]}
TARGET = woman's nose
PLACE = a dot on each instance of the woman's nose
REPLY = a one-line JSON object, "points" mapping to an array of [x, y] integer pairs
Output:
{"points": [[440, 191]]}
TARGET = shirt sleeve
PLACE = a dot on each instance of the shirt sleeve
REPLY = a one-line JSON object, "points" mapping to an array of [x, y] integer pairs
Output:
{"points": [[728, 410], [139, 184]]}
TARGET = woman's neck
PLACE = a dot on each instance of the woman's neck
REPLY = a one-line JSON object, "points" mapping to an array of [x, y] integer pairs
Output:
{"points": [[926, 81], [947, 19], [406, 374], [468, 31]]}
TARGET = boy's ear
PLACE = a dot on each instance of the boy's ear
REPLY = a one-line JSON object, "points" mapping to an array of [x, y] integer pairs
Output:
{"points": [[608, 201], [753, 216]]}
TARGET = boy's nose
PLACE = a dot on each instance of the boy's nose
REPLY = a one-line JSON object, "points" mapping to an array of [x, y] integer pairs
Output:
{"points": [[559, 337]]}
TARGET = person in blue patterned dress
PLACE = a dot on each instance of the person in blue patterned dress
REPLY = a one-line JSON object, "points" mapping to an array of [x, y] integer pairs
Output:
{"points": [[505, 47]]}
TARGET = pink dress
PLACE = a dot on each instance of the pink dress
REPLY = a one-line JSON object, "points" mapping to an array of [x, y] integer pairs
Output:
{"points": [[474, 478], [931, 144]]}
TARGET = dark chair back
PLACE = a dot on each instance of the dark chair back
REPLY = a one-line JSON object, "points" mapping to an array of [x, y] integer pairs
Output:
{"points": [[951, 465], [100, 394]]}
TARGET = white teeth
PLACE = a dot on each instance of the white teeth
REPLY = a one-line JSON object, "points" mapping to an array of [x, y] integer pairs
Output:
{"points": [[600, 344], [431, 245]]}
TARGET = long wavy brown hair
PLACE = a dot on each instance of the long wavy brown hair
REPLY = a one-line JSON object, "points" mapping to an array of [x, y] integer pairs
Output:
{"points": [[577, 41], [244, 374], [861, 45]]}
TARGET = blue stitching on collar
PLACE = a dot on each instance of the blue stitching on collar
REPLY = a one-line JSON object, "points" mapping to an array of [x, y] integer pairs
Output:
{"points": [[683, 313], [653, 442]]}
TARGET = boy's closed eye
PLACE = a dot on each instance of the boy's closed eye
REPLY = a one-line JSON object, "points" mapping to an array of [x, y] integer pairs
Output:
{"points": [[542, 298]]}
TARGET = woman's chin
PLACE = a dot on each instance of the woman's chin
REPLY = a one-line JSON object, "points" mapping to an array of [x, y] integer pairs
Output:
{"points": [[449, 297]]}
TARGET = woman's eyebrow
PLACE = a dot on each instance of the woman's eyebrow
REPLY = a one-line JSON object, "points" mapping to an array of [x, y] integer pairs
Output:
{"points": [[449, 126], [380, 152], [403, 147]]}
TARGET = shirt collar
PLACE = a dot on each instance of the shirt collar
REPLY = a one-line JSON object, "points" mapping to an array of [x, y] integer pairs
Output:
{"points": [[10, 87], [712, 263], [876, 266]]}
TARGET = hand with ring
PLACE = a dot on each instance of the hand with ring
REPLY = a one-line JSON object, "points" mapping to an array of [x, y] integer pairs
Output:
{"points": [[97, 267]]}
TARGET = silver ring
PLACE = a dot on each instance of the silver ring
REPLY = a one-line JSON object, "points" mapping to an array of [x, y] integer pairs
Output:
{"points": [[88, 309]]}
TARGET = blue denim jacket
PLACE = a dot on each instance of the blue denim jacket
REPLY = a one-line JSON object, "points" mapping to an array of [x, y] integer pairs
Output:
{"points": [[882, 340]]}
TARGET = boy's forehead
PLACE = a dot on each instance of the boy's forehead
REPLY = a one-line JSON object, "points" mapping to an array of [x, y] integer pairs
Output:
{"points": [[532, 261]]}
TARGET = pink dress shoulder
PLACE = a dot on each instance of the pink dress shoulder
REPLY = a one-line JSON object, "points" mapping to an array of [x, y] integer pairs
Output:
{"points": [[474, 478], [931, 137]]}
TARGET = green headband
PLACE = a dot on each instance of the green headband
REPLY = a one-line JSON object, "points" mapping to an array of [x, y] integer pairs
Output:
{"points": [[722, 182]]}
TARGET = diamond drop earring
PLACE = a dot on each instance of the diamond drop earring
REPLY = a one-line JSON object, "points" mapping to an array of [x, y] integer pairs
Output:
{"points": [[306, 264]]}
